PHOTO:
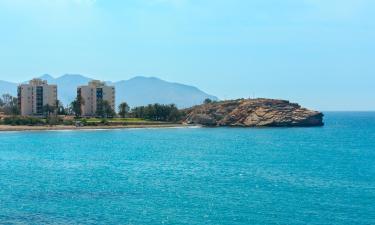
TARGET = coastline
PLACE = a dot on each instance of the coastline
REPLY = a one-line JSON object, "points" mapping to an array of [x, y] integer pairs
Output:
{"points": [[4, 128]]}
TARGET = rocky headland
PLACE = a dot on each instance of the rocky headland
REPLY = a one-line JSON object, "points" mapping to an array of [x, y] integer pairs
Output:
{"points": [[253, 113]]}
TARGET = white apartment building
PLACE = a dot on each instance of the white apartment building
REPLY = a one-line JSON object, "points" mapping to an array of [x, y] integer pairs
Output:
{"points": [[92, 94], [34, 96]]}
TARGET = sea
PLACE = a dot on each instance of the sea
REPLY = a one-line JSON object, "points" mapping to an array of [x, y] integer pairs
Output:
{"points": [[319, 175]]}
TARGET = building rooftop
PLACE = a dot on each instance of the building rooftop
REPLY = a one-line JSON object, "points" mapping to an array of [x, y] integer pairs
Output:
{"points": [[37, 81], [96, 83]]}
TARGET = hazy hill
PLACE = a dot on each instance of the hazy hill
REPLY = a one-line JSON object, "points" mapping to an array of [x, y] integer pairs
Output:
{"points": [[8, 88], [143, 90], [136, 91]]}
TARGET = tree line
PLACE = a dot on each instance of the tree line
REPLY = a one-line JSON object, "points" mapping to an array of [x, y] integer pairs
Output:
{"points": [[9, 105], [155, 112]]}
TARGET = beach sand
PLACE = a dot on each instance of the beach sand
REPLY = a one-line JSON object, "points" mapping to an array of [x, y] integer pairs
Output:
{"points": [[63, 127]]}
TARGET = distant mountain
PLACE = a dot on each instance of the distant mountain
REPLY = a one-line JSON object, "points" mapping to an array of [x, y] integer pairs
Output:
{"points": [[8, 88], [67, 86], [136, 91], [145, 90]]}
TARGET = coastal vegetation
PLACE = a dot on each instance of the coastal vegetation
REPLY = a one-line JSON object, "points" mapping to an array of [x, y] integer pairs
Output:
{"points": [[241, 112], [157, 112], [207, 101], [9, 105], [18, 120], [104, 110], [75, 107], [69, 121], [123, 109], [105, 116]]}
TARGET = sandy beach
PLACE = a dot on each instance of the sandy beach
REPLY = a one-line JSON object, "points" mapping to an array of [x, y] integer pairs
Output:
{"points": [[63, 127]]}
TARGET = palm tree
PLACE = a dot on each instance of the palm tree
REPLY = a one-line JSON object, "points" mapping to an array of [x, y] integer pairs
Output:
{"points": [[104, 109], [60, 108], [48, 110], [9, 105], [76, 105], [123, 109]]}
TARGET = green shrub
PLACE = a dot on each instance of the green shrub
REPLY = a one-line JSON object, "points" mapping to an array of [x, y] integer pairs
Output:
{"points": [[91, 124], [53, 120], [18, 121], [84, 122], [104, 122], [68, 122]]}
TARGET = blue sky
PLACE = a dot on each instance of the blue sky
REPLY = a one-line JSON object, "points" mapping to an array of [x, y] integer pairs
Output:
{"points": [[319, 53]]}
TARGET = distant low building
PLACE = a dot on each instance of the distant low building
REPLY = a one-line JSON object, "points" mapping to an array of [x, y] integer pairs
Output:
{"points": [[92, 94], [32, 97]]}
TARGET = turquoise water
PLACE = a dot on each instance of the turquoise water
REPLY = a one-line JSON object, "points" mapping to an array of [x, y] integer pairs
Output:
{"points": [[192, 176]]}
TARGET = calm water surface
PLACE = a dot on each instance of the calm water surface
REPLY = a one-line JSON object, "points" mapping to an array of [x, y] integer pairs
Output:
{"points": [[192, 176]]}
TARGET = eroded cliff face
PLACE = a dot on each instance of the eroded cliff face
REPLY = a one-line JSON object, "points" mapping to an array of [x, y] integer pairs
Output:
{"points": [[253, 113]]}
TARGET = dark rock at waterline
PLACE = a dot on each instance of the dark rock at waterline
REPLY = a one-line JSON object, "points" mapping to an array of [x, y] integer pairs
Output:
{"points": [[253, 113]]}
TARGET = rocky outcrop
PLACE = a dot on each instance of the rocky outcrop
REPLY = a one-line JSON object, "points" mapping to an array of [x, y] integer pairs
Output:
{"points": [[253, 113]]}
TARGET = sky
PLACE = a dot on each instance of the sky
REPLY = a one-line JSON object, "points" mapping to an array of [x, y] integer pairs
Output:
{"points": [[319, 53]]}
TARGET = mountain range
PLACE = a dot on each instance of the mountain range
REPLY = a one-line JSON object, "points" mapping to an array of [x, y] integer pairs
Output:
{"points": [[136, 91]]}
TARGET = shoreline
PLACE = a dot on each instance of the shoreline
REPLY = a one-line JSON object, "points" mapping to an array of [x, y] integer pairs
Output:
{"points": [[5, 128]]}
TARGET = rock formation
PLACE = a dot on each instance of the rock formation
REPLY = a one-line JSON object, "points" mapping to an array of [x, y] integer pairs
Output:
{"points": [[253, 113]]}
